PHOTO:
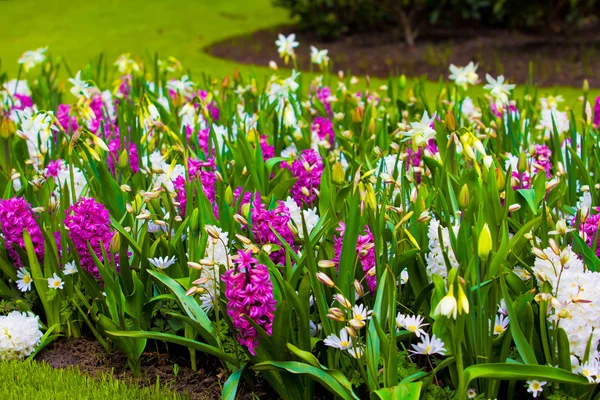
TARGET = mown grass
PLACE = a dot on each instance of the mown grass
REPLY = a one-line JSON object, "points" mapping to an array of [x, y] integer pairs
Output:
{"points": [[20, 380], [80, 30]]}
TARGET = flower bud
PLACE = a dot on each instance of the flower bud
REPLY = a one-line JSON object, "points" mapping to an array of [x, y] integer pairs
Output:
{"points": [[336, 314], [539, 253], [326, 264], [500, 179], [450, 121], [337, 174], [342, 300], [123, 159], [359, 288], [325, 279], [485, 242], [228, 195], [463, 197], [115, 243], [463, 301]]}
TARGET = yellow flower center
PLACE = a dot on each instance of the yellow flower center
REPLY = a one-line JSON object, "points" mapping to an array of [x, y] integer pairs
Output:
{"points": [[26, 279], [411, 328], [498, 328], [345, 343], [428, 349], [535, 386]]}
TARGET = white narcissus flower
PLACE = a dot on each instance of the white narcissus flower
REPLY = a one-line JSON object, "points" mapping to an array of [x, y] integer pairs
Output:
{"points": [[319, 57], [464, 76], [31, 58], [429, 346], [498, 89], [25, 280], [560, 118], [421, 131], [162, 262], [79, 85], [286, 45], [311, 218], [55, 282]]}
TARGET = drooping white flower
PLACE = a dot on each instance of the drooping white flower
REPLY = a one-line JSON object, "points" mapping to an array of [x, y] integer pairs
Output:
{"points": [[162, 262], [55, 282], [429, 346], [70, 268], [498, 89], [19, 335], [25, 280], [535, 387], [421, 131], [31, 58], [551, 102]]}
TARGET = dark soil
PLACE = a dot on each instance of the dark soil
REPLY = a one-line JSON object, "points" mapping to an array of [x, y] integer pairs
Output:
{"points": [[204, 384], [556, 60]]}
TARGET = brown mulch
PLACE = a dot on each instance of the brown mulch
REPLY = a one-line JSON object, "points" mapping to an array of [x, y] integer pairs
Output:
{"points": [[204, 384], [557, 60]]}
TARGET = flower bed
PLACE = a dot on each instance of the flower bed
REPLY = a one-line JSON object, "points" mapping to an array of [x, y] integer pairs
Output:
{"points": [[373, 242]]}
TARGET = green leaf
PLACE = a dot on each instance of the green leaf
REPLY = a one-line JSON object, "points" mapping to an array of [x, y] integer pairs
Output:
{"points": [[590, 259], [167, 337], [190, 306], [403, 391], [529, 196], [231, 385], [513, 371], [321, 376]]}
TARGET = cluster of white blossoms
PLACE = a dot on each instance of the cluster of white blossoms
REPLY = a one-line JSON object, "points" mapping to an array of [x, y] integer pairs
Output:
{"points": [[19, 335], [435, 261], [574, 301], [216, 251], [311, 218]]}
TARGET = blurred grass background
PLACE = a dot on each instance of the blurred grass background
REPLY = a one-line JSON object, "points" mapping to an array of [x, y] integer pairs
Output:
{"points": [[80, 30]]}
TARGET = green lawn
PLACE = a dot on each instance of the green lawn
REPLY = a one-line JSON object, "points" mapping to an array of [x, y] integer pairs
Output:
{"points": [[79, 31]]}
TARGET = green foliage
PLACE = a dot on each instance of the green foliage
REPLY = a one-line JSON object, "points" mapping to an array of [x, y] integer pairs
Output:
{"points": [[32, 380]]}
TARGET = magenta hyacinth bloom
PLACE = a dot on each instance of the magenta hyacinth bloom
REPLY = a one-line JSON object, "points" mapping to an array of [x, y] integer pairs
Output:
{"points": [[88, 221], [202, 171], [323, 127], [597, 112], [249, 292], [323, 94], [308, 168], [54, 168], [263, 220], [542, 158], [268, 151], [365, 249], [590, 228], [68, 123], [114, 151], [15, 216]]}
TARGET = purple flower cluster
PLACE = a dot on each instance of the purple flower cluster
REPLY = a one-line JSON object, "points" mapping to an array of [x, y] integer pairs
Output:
{"points": [[542, 158], [590, 228], [365, 247], [323, 127], [15, 216], [597, 112], [88, 221], [114, 152], [197, 170], [308, 168], [268, 151], [67, 121], [249, 292], [278, 219], [323, 94]]}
